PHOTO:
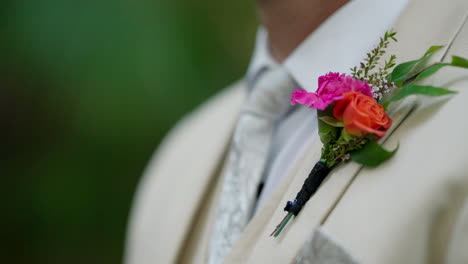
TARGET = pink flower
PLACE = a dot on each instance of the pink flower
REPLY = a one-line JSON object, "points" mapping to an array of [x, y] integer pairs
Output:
{"points": [[331, 88]]}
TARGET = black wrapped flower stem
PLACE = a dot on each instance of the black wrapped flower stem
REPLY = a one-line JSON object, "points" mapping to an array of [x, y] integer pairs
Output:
{"points": [[310, 186]]}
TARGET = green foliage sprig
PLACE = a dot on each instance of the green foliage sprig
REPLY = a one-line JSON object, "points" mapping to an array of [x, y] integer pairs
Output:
{"points": [[377, 77], [400, 80]]}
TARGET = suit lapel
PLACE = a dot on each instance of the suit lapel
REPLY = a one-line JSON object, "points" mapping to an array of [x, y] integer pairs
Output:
{"points": [[171, 194], [417, 30]]}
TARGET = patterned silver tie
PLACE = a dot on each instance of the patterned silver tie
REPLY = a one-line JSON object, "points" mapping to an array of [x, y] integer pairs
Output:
{"points": [[268, 103]]}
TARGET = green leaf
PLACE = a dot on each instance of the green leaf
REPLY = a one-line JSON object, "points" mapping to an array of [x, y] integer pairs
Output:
{"points": [[432, 49], [456, 62], [431, 70], [332, 121], [327, 133], [372, 154], [411, 89], [401, 72], [406, 70], [459, 62], [345, 136]]}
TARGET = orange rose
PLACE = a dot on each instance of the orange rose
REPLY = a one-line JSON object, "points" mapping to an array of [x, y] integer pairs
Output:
{"points": [[361, 114]]}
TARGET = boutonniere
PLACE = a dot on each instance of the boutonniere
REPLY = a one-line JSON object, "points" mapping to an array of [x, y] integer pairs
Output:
{"points": [[352, 114]]}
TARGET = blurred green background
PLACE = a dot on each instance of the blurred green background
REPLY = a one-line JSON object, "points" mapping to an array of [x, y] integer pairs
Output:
{"points": [[87, 91]]}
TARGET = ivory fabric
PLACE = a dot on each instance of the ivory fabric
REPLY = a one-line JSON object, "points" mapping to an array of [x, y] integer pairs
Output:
{"points": [[321, 248], [266, 104], [412, 209]]}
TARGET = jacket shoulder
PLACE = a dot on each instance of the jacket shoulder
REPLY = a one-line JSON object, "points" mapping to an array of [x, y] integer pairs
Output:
{"points": [[213, 118], [177, 174]]}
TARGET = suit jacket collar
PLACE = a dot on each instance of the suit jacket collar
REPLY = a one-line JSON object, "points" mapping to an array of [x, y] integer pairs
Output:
{"points": [[417, 30], [342, 41]]}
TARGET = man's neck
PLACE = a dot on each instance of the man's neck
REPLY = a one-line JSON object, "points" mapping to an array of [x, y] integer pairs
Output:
{"points": [[289, 22]]}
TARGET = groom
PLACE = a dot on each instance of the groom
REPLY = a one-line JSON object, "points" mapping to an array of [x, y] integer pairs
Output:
{"points": [[217, 186]]}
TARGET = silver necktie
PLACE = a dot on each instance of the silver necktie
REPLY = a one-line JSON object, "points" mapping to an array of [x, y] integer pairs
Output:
{"points": [[266, 105]]}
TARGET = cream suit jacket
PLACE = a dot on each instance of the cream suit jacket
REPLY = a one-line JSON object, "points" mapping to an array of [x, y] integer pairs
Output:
{"points": [[411, 209]]}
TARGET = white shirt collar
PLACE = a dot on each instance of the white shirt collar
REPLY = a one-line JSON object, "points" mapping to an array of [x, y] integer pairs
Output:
{"points": [[261, 58], [336, 45]]}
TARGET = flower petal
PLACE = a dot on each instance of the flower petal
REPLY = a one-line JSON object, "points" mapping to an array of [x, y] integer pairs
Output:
{"points": [[300, 96]]}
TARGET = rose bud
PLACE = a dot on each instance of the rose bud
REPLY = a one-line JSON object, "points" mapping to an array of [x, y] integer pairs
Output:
{"points": [[361, 115]]}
